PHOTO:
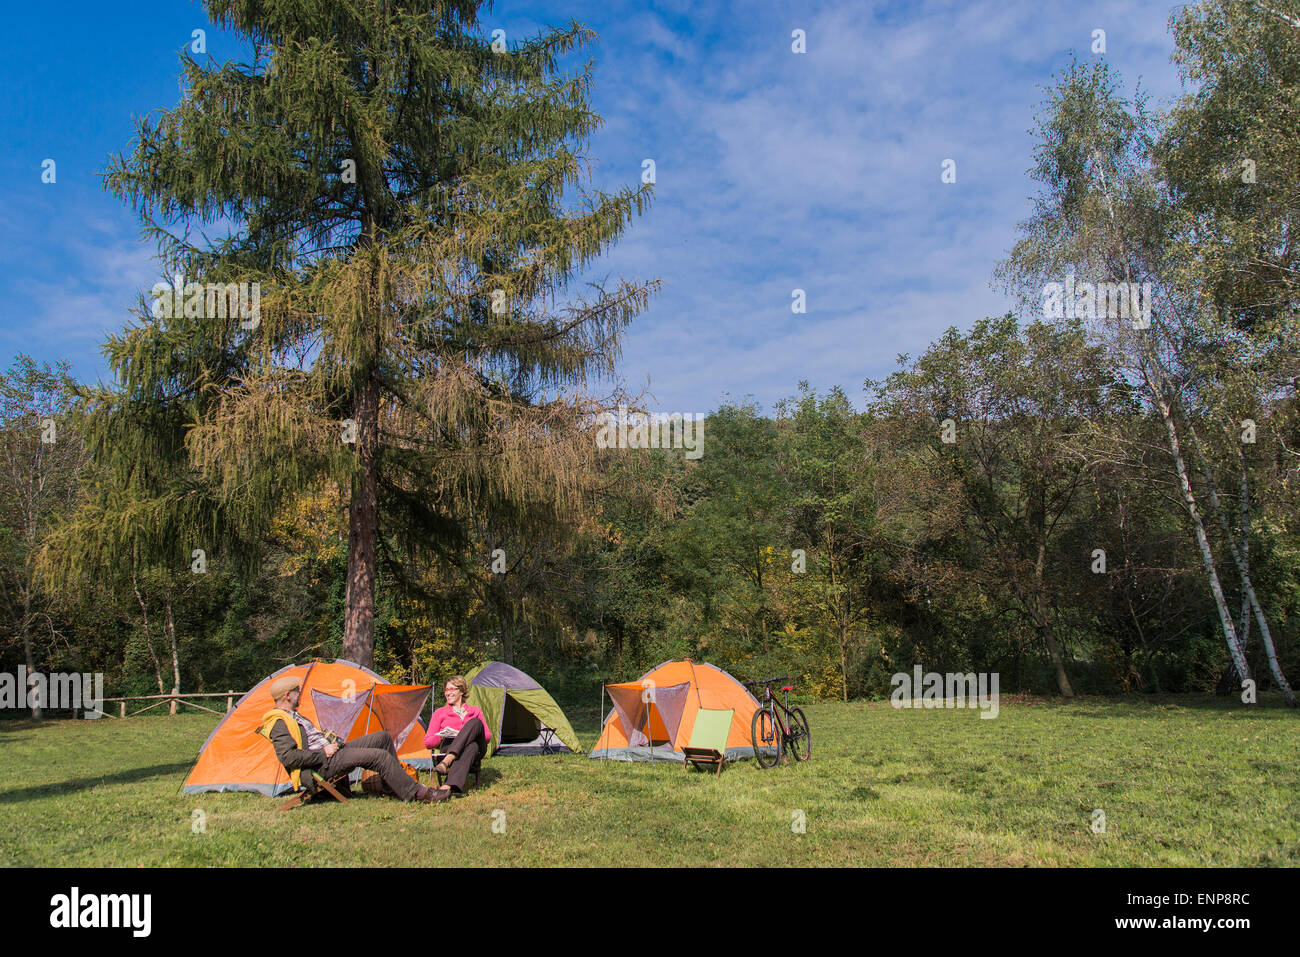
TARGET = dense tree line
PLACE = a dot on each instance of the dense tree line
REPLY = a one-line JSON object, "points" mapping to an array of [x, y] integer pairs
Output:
{"points": [[1046, 541]]}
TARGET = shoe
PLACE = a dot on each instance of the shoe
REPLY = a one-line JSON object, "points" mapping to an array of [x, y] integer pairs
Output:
{"points": [[439, 795], [443, 766], [425, 795]]}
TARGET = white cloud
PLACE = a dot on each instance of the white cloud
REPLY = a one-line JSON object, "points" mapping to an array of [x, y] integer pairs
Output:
{"points": [[822, 171]]}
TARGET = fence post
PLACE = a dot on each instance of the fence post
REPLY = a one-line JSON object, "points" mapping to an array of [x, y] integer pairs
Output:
{"points": [[230, 700], [123, 713]]}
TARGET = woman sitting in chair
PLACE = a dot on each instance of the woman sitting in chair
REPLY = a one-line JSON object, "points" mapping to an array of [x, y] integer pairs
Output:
{"points": [[464, 726]]}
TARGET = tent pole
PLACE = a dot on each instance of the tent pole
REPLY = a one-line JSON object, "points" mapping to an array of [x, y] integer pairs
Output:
{"points": [[306, 674]]}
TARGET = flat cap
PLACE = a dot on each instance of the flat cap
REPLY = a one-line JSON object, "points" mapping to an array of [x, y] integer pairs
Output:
{"points": [[282, 686]]}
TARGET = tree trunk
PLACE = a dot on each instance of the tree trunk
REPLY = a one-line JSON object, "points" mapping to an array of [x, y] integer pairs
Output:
{"points": [[1202, 541], [1142, 640], [148, 641], [507, 645], [844, 660], [1243, 634], [1265, 634], [1044, 625], [1058, 662], [1243, 569], [841, 610], [363, 527], [176, 661], [27, 647]]}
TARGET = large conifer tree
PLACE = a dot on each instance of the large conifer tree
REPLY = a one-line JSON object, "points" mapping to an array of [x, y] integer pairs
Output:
{"points": [[393, 183]]}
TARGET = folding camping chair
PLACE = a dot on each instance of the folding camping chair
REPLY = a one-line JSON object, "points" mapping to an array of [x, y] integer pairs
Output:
{"points": [[305, 794], [475, 769], [709, 739]]}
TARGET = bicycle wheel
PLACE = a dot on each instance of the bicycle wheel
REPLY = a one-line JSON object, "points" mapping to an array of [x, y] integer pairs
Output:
{"points": [[800, 738], [767, 738]]}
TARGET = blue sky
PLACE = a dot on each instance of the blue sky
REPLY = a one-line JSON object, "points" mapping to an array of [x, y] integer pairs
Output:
{"points": [[775, 171]]}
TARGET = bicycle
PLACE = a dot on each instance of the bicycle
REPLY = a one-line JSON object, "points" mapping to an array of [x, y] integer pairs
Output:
{"points": [[772, 733]]}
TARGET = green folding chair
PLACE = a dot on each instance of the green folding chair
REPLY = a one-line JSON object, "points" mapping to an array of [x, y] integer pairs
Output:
{"points": [[709, 739]]}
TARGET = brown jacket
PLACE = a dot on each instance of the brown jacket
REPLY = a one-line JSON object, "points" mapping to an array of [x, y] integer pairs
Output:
{"points": [[293, 757]]}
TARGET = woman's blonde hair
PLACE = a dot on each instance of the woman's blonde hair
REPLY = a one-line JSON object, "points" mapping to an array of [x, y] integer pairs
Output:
{"points": [[461, 684]]}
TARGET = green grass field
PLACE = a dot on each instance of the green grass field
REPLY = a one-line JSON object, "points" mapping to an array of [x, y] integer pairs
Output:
{"points": [[1185, 781]]}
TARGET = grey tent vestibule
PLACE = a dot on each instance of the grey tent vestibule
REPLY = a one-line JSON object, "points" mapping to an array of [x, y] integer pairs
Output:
{"points": [[521, 714]]}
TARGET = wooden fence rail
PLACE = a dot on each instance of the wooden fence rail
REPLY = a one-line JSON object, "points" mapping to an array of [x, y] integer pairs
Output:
{"points": [[175, 699]]}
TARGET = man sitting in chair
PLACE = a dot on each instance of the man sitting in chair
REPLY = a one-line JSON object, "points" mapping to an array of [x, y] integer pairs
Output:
{"points": [[301, 746]]}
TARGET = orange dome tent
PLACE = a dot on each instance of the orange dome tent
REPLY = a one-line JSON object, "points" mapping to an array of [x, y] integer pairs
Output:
{"points": [[653, 716], [337, 696]]}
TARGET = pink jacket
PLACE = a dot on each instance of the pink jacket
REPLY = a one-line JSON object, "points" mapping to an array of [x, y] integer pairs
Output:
{"points": [[444, 717]]}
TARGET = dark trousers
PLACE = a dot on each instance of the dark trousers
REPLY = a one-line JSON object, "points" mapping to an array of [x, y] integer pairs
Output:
{"points": [[374, 752], [467, 746]]}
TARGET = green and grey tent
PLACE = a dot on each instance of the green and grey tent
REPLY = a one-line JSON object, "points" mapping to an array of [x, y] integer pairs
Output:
{"points": [[524, 718]]}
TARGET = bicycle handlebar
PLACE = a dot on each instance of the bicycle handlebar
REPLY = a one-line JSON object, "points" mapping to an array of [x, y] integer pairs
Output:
{"points": [[765, 681]]}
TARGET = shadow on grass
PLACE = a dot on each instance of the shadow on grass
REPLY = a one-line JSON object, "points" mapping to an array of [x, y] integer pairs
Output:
{"points": [[18, 726], [128, 776], [487, 776]]}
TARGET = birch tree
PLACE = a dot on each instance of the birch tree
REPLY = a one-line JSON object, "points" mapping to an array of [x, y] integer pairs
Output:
{"points": [[1104, 216], [1232, 155]]}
